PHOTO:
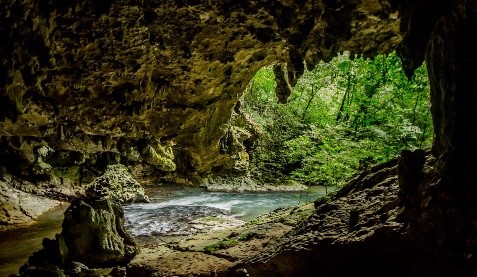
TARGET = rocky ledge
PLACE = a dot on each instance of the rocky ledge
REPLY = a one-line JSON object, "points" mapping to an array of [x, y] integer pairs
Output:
{"points": [[364, 228]]}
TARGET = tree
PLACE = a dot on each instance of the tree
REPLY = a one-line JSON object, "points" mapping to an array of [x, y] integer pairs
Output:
{"points": [[342, 117]]}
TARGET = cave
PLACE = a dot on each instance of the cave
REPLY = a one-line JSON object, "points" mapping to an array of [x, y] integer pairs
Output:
{"points": [[154, 85]]}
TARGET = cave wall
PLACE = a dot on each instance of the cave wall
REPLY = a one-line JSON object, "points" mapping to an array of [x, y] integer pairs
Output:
{"points": [[451, 59], [434, 229], [109, 80]]}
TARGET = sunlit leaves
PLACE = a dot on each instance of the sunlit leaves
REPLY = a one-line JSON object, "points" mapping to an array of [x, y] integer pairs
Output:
{"points": [[342, 117]]}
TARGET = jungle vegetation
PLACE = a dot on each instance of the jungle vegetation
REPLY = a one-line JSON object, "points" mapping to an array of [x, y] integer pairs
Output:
{"points": [[342, 118]]}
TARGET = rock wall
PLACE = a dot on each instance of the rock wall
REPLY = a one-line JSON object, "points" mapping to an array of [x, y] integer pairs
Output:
{"points": [[430, 229], [102, 83]]}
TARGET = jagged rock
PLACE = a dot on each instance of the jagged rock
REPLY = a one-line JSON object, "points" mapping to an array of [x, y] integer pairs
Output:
{"points": [[93, 236], [117, 184], [159, 156], [162, 69]]}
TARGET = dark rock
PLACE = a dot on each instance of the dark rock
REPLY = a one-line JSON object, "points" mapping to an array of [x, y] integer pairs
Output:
{"points": [[93, 236], [368, 228], [42, 271]]}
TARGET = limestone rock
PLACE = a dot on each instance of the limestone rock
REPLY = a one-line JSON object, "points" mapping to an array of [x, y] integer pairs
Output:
{"points": [[159, 156], [93, 236], [117, 184], [20, 207], [86, 77]]}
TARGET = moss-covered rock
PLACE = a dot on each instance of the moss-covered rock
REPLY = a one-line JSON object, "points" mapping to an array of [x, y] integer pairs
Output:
{"points": [[117, 184], [94, 234], [159, 156]]}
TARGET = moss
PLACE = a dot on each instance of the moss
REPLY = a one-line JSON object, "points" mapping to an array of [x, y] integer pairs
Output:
{"points": [[223, 244], [160, 157], [232, 240], [70, 173]]}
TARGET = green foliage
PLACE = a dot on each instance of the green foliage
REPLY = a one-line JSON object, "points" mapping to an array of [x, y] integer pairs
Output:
{"points": [[342, 117], [230, 241], [223, 244]]}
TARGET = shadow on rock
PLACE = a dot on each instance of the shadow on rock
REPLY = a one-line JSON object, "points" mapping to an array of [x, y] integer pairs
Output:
{"points": [[93, 236]]}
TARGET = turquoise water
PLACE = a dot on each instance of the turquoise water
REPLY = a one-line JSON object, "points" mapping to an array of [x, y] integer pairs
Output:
{"points": [[169, 213], [172, 208]]}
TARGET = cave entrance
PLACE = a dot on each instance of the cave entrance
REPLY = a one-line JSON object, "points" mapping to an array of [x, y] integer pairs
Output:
{"points": [[341, 118]]}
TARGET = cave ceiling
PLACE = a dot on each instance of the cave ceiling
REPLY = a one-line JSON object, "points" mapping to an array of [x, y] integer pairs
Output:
{"points": [[75, 71]]}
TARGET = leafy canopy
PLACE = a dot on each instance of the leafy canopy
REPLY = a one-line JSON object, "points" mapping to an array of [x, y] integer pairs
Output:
{"points": [[342, 117]]}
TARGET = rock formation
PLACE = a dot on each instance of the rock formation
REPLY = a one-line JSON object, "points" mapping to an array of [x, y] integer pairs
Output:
{"points": [[118, 185], [85, 84], [93, 236]]}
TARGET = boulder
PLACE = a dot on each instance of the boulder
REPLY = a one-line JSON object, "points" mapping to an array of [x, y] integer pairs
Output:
{"points": [[117, 184], [93, 236]]}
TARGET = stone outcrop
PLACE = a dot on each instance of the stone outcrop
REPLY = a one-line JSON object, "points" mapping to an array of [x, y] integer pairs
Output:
{"points": [[368, 228], [93, 236], [118, 185]]}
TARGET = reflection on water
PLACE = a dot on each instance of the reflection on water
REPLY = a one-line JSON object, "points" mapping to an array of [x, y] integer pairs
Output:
{"points": [[17, 245]]}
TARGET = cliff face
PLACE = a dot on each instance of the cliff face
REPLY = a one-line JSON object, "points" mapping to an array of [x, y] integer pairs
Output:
{"points": [[131, 81]]}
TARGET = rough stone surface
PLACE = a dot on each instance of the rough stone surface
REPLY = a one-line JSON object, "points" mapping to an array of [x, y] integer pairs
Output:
{"points": [[18, 207], [369, 228], [93, 236], [118, 185], [100, 80], [94, 233]]}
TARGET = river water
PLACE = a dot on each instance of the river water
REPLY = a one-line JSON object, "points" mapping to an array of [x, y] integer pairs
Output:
{"points": [[171, 210], [18, 244], [173, 207]]}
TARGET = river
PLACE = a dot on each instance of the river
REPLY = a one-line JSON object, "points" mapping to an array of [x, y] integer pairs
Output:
{"points": [[171, 210]]}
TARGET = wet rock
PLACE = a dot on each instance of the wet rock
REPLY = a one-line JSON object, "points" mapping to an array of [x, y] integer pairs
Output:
{"points": [[18, 205], [117, 184], [241, 183], [94, 233], [93, 236]]}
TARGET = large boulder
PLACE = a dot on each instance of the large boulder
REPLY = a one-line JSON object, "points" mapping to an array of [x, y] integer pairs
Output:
{"points": [[93, 236], [117, 184]]}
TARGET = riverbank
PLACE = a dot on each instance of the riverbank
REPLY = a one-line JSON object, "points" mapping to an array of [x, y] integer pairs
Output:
{"points": [[178, 215], [247, 183], [18, 243], [22, 202], [215, 251]]}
